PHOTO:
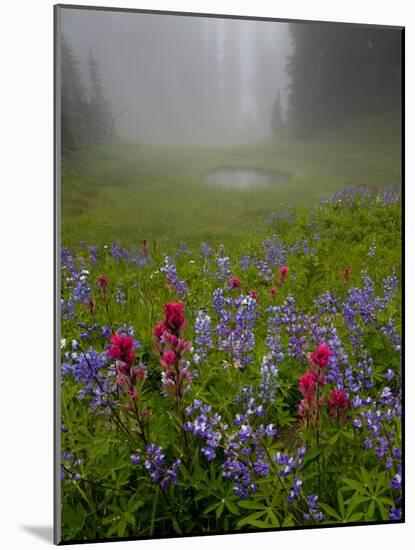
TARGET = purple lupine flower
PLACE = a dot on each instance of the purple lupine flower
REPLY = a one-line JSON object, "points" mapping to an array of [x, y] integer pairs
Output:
{"points": [[261, 467], [270, 430], [224, 268], [182, 250], [120, 296], [372, 250], [92, 251], [391, 334], [389, 374], [313, 510], [218, 300], [245, 261], [91, 370], [295, 491], [275, 252], [203, 330], [154, 463], [235, 328], [395, 513], [396, 481], [327, 303], [206, 250], [264, 271], [71, 466], [169, 270], [312, 502], [138, 260], [390, 288]]}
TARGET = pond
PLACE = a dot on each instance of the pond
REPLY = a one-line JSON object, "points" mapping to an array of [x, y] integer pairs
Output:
{"points": [[245, 178]]}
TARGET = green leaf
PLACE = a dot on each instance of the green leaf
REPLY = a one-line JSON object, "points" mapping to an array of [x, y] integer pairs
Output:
{"points": [[355, 517], [219, 509], [329, 510], [383, 513], [354, 484], [273, 518], [248, 519], [334, 438], [135, 503], [357, 499], [341, 503], [176, 526], [260, 524], [233, 509], [74, 517], [370, 513], [122, 526], [366, 478], [210, 508], [252, 505], [288, 521], [312, 456], [348, 435]]}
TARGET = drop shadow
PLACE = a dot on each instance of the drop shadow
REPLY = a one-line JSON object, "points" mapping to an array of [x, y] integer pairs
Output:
{"points": [[43, 532]]}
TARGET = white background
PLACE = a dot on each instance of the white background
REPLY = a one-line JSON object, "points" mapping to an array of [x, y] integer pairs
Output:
{"points": [[26, 269]]}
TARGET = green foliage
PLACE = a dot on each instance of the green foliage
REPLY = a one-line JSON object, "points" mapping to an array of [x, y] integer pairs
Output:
{"points": [[113, 498], [123, 194]]}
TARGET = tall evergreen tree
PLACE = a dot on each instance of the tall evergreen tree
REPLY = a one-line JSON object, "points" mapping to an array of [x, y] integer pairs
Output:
{"points": [[74, 106], [99, 114], [338, 71], [277, 118]]}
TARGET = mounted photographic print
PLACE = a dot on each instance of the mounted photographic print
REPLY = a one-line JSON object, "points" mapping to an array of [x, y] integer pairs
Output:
{"points": [[228, 274]]}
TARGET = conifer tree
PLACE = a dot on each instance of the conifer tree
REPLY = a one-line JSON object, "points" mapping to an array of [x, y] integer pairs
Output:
{"points": [[277, 118], [74, 105], [99, 115]]}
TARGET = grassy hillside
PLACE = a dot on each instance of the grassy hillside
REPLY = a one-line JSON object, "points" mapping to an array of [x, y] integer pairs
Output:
{"points": [[126, 192], [250, 318]]}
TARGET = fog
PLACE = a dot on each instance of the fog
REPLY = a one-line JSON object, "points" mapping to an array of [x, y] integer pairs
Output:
{"points": [[181, 79]]}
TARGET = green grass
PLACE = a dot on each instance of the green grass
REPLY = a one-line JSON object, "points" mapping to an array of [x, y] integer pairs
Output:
{"points": [[116, 498], [126, 192]]}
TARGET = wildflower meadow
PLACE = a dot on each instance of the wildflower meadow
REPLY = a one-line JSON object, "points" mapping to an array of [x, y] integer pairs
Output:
{"points": [[210, 387]]}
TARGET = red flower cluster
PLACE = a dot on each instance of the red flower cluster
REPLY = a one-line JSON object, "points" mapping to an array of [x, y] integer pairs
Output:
{"points": [[321, 355], [272, 293], [90, 305], [127, 378], [173, 323], [122, 349], [144, 248], [346, 274], [235, 282], [337, 402], [175, 317], [283, 273], [102, 282], [307, 385], [176, 376], [253, 294], [311, 385]]}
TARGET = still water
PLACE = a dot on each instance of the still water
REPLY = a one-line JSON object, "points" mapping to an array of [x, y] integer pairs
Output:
{"points": [[245, 178]]}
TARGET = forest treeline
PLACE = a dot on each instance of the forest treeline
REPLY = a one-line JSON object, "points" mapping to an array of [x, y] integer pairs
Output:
{"points": [[341, 71], [86, 116], [186, 76]]}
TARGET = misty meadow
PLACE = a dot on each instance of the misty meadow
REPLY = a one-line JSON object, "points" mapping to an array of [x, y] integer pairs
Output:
{"points": [[230, 274]]}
